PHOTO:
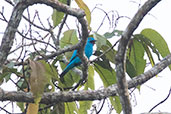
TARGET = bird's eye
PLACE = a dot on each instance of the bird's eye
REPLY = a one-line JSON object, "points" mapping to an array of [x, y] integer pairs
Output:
{"points": [[93, 41]]}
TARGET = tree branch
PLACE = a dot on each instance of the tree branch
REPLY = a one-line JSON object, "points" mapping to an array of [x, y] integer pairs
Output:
{"points": [[69, 96], [9, 34], [7, 40], [121, 55]]}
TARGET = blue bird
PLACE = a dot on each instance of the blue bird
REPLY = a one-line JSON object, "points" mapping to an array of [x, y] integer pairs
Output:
{"points": [[75, 60]]}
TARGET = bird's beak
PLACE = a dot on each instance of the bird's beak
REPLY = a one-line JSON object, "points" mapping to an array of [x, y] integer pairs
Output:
{"points": [[93, 41]]}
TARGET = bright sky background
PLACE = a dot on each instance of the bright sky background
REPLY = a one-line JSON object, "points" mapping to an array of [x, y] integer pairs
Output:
{"points": [[159, 18]]}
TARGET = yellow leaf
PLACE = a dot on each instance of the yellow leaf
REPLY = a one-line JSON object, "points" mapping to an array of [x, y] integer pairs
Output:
{"points": [[32, 108], [83, 6], [38, 79]]}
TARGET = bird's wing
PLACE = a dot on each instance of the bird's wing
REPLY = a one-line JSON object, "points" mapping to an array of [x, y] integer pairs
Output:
{"points": [[74, 55]]}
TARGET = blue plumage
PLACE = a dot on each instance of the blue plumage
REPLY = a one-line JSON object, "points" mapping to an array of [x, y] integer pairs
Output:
{"points": [[75, 60]]}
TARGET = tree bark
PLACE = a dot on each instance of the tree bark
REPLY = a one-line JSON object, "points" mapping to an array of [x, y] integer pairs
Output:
{"points": [[88, 95], [121, 55]]}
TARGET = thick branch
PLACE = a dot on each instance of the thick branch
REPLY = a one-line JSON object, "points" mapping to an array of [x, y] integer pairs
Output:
{"points": [[70, 96], [120, 56], [82, 45], [7, 40], [58, 6]]}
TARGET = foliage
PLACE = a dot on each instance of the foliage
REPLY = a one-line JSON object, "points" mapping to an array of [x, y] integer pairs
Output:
{"points": [[38, 76], [58, 16]]}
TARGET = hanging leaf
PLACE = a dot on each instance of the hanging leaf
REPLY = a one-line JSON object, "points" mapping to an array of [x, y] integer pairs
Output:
{"points": [[21, 105], [108, 77], [110, 54], [83, 6], [130, 69], [41, 73], [147, 44], [158, 41], [58, 109], [84, 106], [39, 77], [50, 70], [105, 71], [32, 108], [90, 82], [7, 70], [101, 40], [115, 101], [136, 56], [69, 38], [149, 54], [71, 108], [57, 16]]}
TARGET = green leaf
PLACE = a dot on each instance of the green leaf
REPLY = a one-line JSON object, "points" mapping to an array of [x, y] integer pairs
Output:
{"points": [[22, 84], [45, 110], [149, 54], [147, 44], [6, 74], [107, 76], [101, 40], [115, 101], [136, 56], [83, 6], [114, 33], [7, 70], [59, 108], [158, 41], [110, 54], [84, 106], [10, 65], [130, 69], [71, 108], [50, 70], [57, 16], [21, 106], [56, 60], [105, 71], [69, 38], [90, 81]]}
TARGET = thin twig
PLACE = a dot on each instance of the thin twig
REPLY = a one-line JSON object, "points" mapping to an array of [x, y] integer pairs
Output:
{"points": [[105, 52], [161, 101], [101, 107], [5, 110], [60, 28], [106, 15]]}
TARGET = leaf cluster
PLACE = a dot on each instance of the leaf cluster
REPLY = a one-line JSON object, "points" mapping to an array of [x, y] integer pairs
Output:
{"points": [[42, 75]]}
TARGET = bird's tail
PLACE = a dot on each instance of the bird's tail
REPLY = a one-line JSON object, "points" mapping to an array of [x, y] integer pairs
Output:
{"points": [[63, 74]]}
